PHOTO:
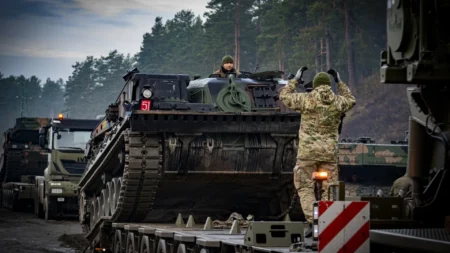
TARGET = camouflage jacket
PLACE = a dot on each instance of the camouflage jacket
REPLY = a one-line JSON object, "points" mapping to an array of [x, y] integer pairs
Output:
{"points": [[222, 73], [321, 112]]}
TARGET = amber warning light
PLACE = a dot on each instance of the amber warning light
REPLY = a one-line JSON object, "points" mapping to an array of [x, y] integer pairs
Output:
{"points": [[60, 116], [320, 175]]}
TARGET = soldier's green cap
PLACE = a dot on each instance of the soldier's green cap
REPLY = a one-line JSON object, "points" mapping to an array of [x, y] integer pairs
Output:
{"points": [[227, 59], [321, 78]]}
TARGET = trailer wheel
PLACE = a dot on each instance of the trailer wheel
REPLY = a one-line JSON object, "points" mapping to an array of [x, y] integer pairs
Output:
{"points": [[130, 243], [145, 245], [162, 248], [38, 209], [50, 209], [117, 242], [181, 248]]}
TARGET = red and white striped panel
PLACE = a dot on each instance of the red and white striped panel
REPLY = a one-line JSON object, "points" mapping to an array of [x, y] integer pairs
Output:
{"points": [[344, 226]]}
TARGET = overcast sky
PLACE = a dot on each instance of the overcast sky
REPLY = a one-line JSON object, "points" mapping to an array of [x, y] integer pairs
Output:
{"points": [[46, 37]]}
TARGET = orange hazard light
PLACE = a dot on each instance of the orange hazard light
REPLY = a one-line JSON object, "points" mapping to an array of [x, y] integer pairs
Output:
{"points": [[60, 116], [320, 175]]}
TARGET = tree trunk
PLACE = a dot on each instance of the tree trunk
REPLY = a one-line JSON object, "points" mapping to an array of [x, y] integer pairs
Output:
{"points": [[281, 60], [317, 59], [258, 31], [349, 45], [328, 50], [236, 36]]}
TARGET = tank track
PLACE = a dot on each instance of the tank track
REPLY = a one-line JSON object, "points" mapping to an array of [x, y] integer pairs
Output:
{"points": [[137, 184], [143, 163]]}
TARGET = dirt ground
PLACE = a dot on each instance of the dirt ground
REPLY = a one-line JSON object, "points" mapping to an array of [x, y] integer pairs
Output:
{"points": [[23, 232]]}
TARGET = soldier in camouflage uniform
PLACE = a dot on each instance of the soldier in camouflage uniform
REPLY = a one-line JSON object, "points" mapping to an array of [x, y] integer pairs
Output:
{"points": [[227, 67], [321, 112]]}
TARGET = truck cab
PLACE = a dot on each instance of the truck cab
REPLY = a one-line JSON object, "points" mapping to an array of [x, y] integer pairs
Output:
{"points": [[65, 140]]}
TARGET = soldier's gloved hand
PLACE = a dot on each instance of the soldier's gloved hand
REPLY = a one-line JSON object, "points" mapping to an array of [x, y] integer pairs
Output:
{"points": [[335, 75], [298, 76]]}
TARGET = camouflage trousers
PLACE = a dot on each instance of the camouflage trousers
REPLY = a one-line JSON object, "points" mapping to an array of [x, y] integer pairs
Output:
{"points": [[304, 183]]}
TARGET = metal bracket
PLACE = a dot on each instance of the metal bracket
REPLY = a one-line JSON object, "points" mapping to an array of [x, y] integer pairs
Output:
{"points": [[338, 192], [274, 234], [172, 144], [209, 144]]}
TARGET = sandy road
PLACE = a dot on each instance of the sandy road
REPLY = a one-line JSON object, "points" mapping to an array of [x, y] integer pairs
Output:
{"points": [[23, 232]]}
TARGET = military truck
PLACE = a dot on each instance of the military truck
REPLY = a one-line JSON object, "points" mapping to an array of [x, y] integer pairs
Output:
{"points": [[418, 55], [65, 140], [21, 161]]}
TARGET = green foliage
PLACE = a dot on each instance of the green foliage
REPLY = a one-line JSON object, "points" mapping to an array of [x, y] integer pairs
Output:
{"points": [[94, 84], [27, 97], [381, 112]]}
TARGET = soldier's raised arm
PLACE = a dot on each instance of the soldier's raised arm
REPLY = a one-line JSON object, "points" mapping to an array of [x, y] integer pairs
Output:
{"points": [[345, 99], [293, 100]]}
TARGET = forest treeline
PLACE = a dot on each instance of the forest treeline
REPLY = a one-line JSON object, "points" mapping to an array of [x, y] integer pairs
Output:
{"points": [[347, 35]]}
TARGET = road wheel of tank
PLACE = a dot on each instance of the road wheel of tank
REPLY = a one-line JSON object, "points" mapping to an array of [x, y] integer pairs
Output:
{"points": [[118, 242], [117, 184], [93, 213], [105, 204], [50, 208], [99, 207], [109, 191], [146, 246]]}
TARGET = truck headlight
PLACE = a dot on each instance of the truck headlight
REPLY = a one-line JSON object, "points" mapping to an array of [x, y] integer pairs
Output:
{"points": [[147, 93], [56, 190]]}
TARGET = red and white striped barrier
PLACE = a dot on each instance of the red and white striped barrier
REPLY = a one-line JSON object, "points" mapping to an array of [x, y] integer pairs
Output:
{"points": [[342, 226]]}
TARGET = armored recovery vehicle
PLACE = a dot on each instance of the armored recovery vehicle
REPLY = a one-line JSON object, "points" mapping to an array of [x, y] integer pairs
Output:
{"points": [[169, 146], [21, 161], [56, 190]]}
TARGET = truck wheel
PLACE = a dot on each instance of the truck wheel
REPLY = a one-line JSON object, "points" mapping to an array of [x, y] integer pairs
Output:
{"points": [[50, 209], [39, 209]]}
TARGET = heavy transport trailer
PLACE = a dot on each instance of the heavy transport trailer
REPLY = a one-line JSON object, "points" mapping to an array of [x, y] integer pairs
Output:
{"points": [[339, 226], [18, 196], [21, 161], [21, 168]]}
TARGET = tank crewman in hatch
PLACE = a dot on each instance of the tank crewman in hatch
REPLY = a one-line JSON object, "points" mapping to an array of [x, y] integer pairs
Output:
{"points": [[321, 112], [227, 67]]}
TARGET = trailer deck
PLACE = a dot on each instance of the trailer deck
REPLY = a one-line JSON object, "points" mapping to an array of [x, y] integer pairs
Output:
{"points": [[172, 238], [421, 239]]}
